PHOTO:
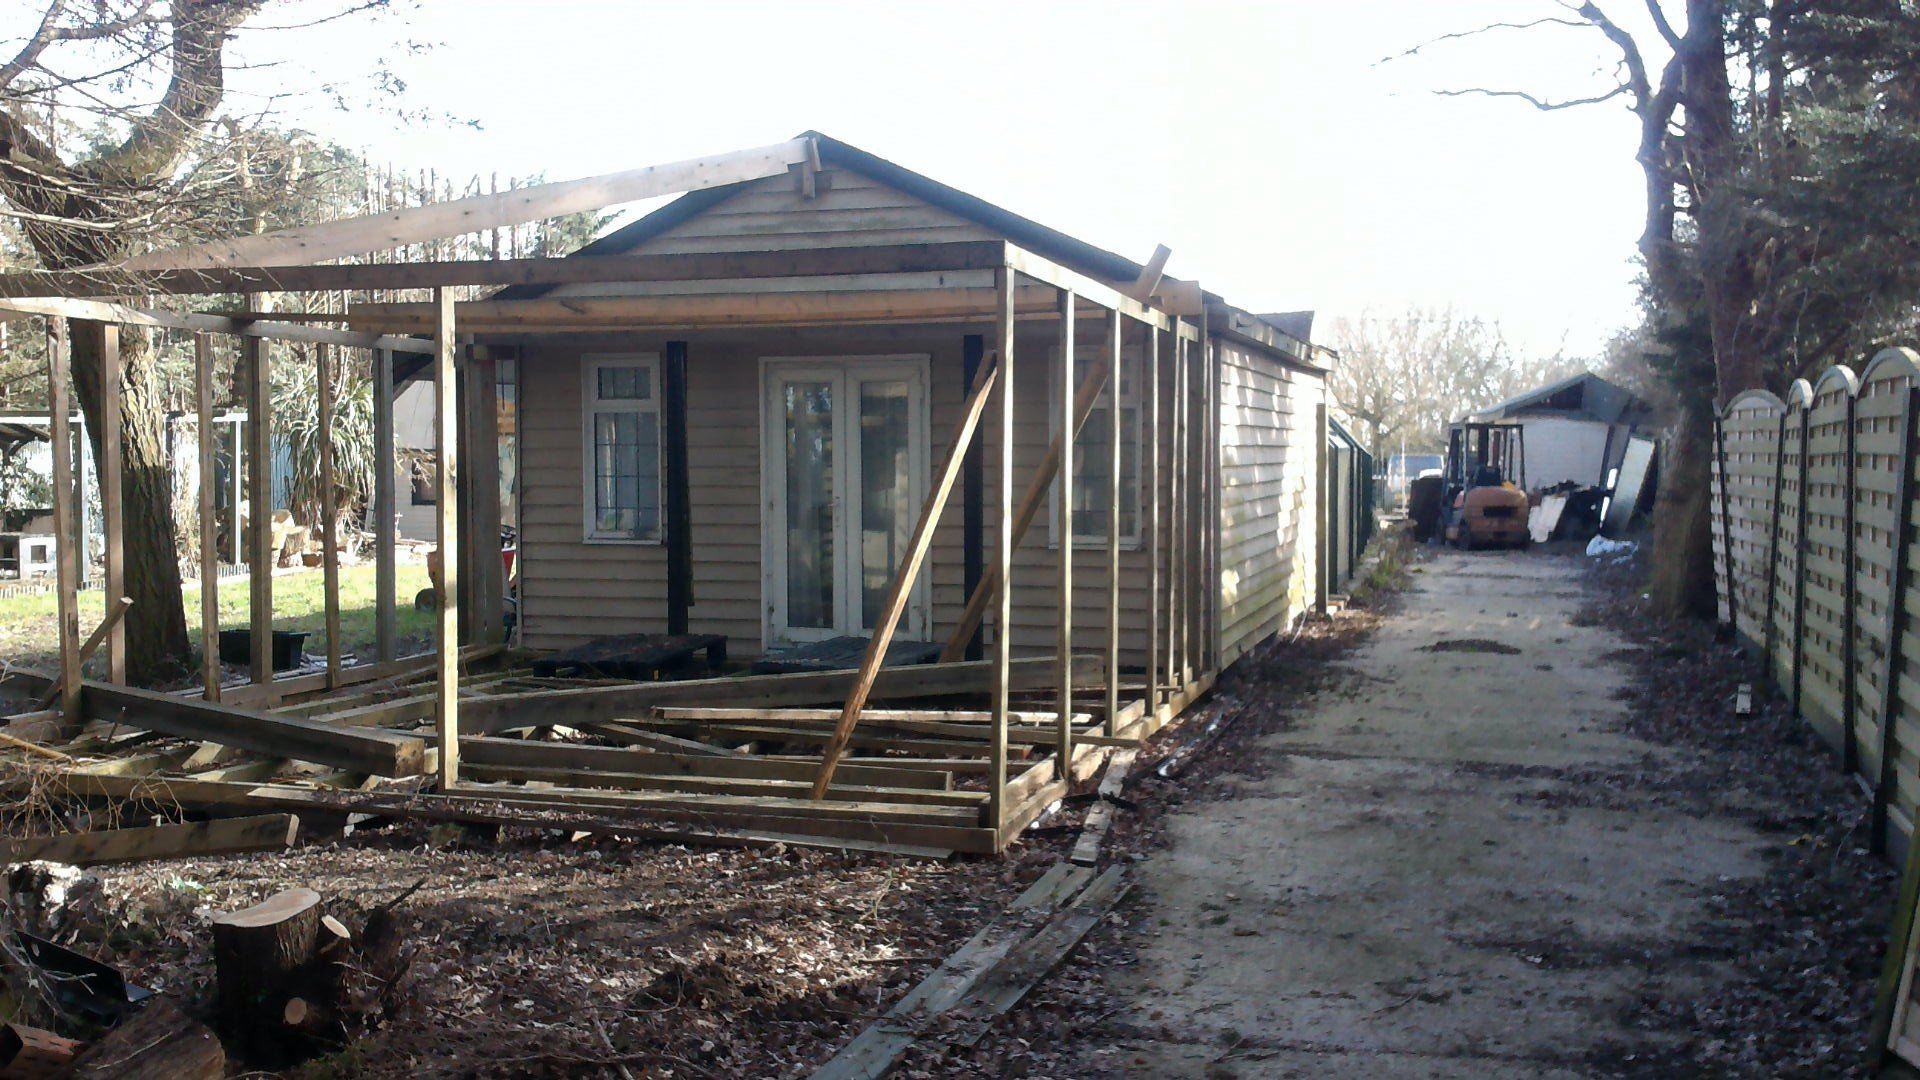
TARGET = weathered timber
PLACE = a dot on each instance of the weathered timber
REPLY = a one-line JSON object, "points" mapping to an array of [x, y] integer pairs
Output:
{"points": [[381, 753], [507, 711], [221, 836]]}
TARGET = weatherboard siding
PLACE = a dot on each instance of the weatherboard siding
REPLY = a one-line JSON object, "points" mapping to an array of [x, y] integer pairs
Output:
{"points": [[1267, 505]]}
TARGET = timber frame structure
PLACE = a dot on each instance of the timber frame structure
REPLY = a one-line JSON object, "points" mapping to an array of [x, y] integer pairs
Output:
{"points": [[959, 755]]}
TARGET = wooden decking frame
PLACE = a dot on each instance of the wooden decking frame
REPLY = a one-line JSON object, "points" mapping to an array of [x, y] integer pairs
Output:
{"points": [[971, 282]]}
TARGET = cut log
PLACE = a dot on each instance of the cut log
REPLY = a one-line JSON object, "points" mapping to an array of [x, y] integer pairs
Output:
{"points": [[261, 957], [157, 1043], [28, 1053]]}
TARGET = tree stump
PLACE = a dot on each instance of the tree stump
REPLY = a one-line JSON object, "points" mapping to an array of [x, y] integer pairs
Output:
{"points": [[263, 957]]}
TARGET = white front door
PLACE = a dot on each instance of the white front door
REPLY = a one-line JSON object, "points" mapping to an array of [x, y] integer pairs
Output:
{"points": [[844, 474]]}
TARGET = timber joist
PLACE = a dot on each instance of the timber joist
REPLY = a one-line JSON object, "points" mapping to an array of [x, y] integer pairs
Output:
{"points": [[738, 763]]}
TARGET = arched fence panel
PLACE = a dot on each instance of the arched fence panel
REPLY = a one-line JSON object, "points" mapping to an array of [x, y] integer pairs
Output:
{"points": [[1825, 592], [1749, 446], [1816, 544]]}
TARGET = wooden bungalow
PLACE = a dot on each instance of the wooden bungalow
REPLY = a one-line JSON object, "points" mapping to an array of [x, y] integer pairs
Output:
{"points": [[817, 402]]}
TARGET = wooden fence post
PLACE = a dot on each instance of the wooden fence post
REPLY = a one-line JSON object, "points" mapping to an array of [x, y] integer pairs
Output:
{"points": [[1903, 538]]}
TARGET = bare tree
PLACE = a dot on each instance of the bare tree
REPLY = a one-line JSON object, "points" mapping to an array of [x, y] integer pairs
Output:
{"points": [[109, 143], [1403, 377]]}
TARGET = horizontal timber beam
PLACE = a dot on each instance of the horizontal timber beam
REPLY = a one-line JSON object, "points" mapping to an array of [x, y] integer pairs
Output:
{"points": [[504, 712], [382, 753], [584, 270], [271, 330], [436, 221]]}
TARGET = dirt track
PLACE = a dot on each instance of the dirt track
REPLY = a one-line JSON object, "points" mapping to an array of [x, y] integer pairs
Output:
{"points": [[1454, 863]]}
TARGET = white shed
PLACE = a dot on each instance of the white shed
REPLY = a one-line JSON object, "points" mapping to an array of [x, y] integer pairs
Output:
{"points": [[1576, 429]]}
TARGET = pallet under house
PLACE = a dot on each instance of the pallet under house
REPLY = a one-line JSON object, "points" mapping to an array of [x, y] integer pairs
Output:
{"points": [[807, 422]]}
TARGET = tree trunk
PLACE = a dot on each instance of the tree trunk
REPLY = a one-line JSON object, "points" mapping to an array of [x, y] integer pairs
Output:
{"points": [[1681, 579], [157, 641]]}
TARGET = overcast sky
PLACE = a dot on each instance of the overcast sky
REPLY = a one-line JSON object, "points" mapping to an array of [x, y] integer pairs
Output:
{"points": [[1264, 143]]}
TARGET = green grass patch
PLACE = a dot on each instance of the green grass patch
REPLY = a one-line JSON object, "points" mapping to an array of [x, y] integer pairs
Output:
{"points": [[29, 625]]}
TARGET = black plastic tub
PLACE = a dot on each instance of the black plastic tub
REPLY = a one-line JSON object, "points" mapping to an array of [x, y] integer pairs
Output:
{"points": [[236, 647]]}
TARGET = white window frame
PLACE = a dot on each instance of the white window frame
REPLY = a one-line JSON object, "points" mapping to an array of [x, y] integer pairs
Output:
{"points": [[590, 406], [1129, 541]]}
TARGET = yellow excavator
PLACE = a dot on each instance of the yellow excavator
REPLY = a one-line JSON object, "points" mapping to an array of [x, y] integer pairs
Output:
{"points": [[1485, 500]]}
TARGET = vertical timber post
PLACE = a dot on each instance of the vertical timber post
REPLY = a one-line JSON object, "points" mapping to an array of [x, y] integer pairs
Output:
{"points": [[1002, 560], [1179, 345], [66, 553], [1115, 380], [112, 487], [673, 393], [1903, 539], [973, 493], [1151, 381], [329, 511], [209, 524], [385, 635], [257, 356], [1322, 511], [482, 609], [1063, 534], [446, 443]]}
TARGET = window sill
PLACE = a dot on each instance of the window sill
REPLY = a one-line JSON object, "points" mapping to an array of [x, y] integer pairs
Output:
{"points": [[1098, 546], [621, 541]]}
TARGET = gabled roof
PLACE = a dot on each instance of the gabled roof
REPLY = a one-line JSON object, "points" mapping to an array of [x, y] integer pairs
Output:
{"points": [[1052, 243], [1071, 252], [1585, 396]]}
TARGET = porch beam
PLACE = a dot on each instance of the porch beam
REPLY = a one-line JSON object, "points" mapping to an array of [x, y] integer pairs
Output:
{"points": [[271, 329], [478, 213], [446, 442], [586, 270], [1063, 529], [1051, 273]]}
